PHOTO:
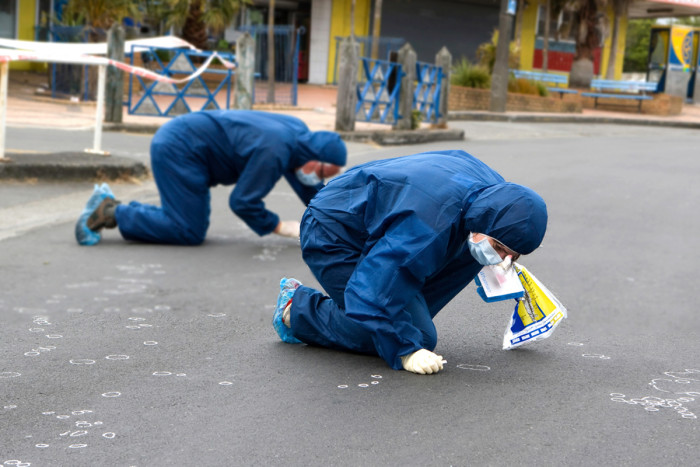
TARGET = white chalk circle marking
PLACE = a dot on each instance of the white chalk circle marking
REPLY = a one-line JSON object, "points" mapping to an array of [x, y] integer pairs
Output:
{"points": [[9, 374], [595, 355], [162, 373], [82, 361], [42, 445], [467, 366], [217, 315], [112, 394], [225, 383], [109, 435], [150, 343], [77, 446], [342, 386], [117, 357]]}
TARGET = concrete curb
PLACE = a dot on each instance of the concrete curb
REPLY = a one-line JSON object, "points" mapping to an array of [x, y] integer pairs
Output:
{"points": [[565, 118], [382, 137], [70, 166], [398, 137], [131, 127]]}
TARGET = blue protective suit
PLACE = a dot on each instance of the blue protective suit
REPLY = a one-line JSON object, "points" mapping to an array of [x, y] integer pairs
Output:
{"points": [[387, 241], [196, 151]]}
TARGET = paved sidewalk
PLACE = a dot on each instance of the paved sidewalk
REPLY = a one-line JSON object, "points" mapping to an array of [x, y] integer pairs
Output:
{"points": [[316, 107]]}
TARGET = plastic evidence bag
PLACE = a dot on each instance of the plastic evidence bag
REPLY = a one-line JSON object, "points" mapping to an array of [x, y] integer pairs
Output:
{"points": [[494, 283], [537, 313]]}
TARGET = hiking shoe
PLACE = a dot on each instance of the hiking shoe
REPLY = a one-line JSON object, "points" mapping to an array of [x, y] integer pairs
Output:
{"points": [[103, 216], [83, 234], [287, 289]]}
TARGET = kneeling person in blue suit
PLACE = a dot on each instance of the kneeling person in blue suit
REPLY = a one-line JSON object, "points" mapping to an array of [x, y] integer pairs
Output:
{"points": [[196, 151], [392, 242]]}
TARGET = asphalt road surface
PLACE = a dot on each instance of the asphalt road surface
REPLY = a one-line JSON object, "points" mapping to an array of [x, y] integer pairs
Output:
{"points": [[127, 354]]}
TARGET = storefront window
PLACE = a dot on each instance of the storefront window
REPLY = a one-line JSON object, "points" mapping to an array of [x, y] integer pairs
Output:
{"points": [[561, 28], [8, 18]]}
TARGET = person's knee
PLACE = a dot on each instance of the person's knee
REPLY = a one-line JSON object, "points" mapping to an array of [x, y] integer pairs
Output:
{"points": [[193, 238]]}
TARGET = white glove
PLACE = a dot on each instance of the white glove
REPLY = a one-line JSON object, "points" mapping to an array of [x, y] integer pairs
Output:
{"points": [[423, 362], [288, 229]]}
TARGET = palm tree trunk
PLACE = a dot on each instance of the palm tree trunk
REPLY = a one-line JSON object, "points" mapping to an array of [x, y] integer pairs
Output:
{"points": [[271, 53], [587, 40]]}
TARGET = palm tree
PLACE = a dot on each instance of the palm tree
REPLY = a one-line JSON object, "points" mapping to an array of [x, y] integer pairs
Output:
{"points": [[194, 17], [100, 14], [589, 17]]}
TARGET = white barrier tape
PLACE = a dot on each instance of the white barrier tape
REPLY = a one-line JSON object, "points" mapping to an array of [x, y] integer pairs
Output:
{"points": [[9, 55], [97, 48]]}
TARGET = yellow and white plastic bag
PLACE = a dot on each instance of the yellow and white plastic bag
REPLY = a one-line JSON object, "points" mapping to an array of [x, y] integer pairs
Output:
{"points": [[537, 313]]}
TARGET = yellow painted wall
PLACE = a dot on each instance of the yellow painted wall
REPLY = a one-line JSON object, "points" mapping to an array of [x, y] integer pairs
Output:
{"points": [[26, 13], [527, 36], [340, 26]]}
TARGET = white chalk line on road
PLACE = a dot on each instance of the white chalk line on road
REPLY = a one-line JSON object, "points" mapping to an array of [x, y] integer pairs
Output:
{"points": [[20, 219]]}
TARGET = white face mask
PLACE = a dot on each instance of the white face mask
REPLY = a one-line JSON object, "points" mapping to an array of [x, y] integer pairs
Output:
{"points": [[310, 179], [483, 252]]}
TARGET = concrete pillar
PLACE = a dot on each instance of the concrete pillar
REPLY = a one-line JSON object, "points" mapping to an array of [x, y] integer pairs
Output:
{"points": [[347, 85], [407, 60], [443, 60], [245, 73], [114, 93]]}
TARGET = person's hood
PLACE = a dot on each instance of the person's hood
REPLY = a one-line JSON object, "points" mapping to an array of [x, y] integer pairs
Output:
{"points": [[324, 146], [512, 214]]}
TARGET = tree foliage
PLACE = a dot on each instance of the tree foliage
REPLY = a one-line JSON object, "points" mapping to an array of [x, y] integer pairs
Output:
{"points": [[100, 14], [195, 17], [637, 45]]}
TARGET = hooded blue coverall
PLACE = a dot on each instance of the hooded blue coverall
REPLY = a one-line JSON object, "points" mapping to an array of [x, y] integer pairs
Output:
{"points": [[387, 240], [196, 151]]}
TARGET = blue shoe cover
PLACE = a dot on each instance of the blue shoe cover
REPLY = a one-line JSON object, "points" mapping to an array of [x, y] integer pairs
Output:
{"points": [[287, 289], [83, 235]]}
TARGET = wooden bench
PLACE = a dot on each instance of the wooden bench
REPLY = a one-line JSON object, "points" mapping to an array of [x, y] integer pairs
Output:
{"points": [[546, 78], [631, 90]]}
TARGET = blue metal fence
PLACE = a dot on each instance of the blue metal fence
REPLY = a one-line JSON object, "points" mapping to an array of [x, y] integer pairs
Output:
{"points": [[426, 97], [386, 46], [378, 91], [167, 99]]}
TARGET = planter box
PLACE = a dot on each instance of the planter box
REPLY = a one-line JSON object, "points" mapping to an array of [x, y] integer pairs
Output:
{"points": [[661, 104], [462, 98]]}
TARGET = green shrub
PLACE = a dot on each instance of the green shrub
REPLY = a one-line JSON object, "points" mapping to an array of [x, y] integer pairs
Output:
{"points": [[527, 86], [416, 118], [471, 76], [486, 53]]}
